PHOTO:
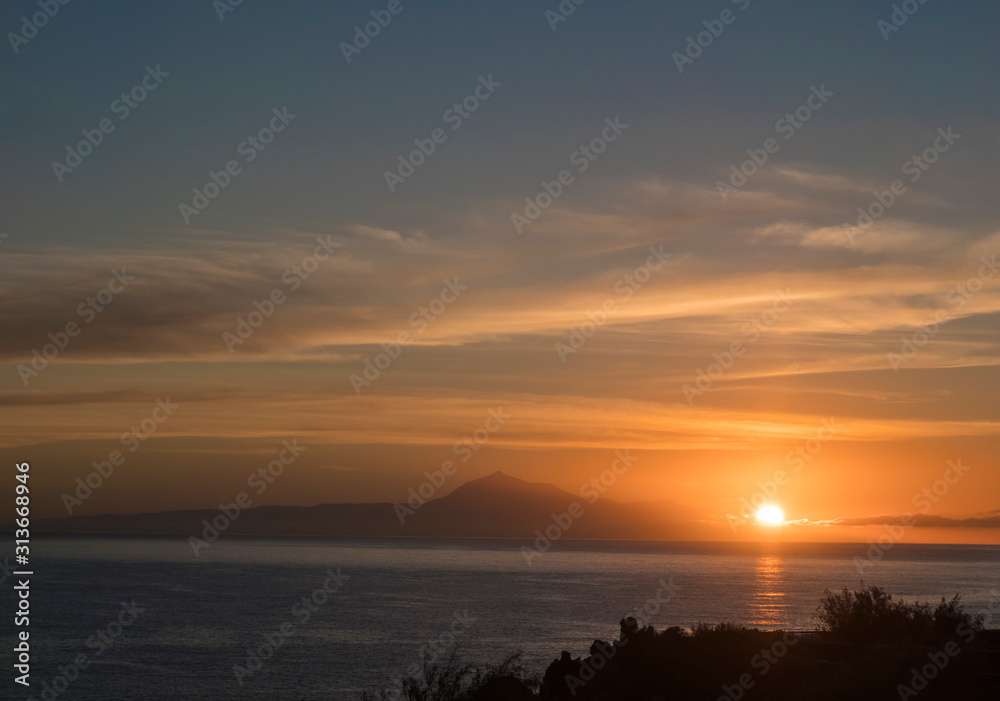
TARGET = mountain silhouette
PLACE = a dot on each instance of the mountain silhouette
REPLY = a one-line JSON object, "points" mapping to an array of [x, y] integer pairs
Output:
{"points": [[495, 506]]}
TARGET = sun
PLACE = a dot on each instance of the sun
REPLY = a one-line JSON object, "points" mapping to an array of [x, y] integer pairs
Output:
{"points": [[770, 514]]}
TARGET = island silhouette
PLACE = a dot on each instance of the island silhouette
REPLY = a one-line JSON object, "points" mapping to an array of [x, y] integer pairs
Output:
{"points": [[495, 506]]}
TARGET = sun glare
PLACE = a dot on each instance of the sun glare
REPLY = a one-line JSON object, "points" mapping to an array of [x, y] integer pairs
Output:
{"points": [[770, 514]]}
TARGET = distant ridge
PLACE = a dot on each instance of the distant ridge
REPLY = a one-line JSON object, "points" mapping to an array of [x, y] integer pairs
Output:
{"points": [[495, 506]]}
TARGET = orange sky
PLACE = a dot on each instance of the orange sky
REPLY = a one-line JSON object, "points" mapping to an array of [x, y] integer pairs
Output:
{"points": [[824, 357], [711, 331]]}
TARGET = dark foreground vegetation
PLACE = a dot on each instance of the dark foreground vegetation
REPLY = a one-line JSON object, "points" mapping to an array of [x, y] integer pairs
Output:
{"points": [[868, 646]]}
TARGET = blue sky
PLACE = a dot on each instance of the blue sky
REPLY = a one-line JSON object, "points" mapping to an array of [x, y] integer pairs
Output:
{"points": [[606, 59]]}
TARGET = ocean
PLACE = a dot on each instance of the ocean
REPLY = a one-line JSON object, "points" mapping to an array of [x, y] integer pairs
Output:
{"points": [[152, 621]]}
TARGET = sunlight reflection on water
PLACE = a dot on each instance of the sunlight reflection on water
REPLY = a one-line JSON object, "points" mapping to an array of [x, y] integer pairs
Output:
{"points": [[768, 607]]}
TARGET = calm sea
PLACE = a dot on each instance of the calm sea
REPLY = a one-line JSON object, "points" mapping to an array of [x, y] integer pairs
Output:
{"points": [[200, 615]]}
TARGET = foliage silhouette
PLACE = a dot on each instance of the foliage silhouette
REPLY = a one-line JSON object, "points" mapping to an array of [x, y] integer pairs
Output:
{"points": [[871, 614], [870, 647]]}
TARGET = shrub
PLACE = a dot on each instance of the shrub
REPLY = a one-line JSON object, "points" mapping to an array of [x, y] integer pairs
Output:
{"points": [[450, 680], [949, 617], [871, 614]]}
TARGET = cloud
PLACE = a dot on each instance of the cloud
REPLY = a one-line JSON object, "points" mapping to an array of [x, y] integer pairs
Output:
{"points": [[921, 521], [728, 259], [526, 294]]}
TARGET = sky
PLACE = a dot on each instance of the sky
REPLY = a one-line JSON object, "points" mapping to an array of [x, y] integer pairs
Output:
{"points": [[258, 243]]}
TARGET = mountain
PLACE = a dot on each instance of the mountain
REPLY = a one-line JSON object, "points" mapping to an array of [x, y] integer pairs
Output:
{"points": [[496, 506]]}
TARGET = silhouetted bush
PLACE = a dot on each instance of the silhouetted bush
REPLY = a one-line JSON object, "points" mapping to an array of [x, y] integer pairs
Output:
{"points": [[872, 615], [450, 680], [730, 661], [949, 617]]}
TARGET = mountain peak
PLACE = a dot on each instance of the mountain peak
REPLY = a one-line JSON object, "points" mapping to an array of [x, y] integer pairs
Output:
{"points": [[498, 477], [501, 485]]}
